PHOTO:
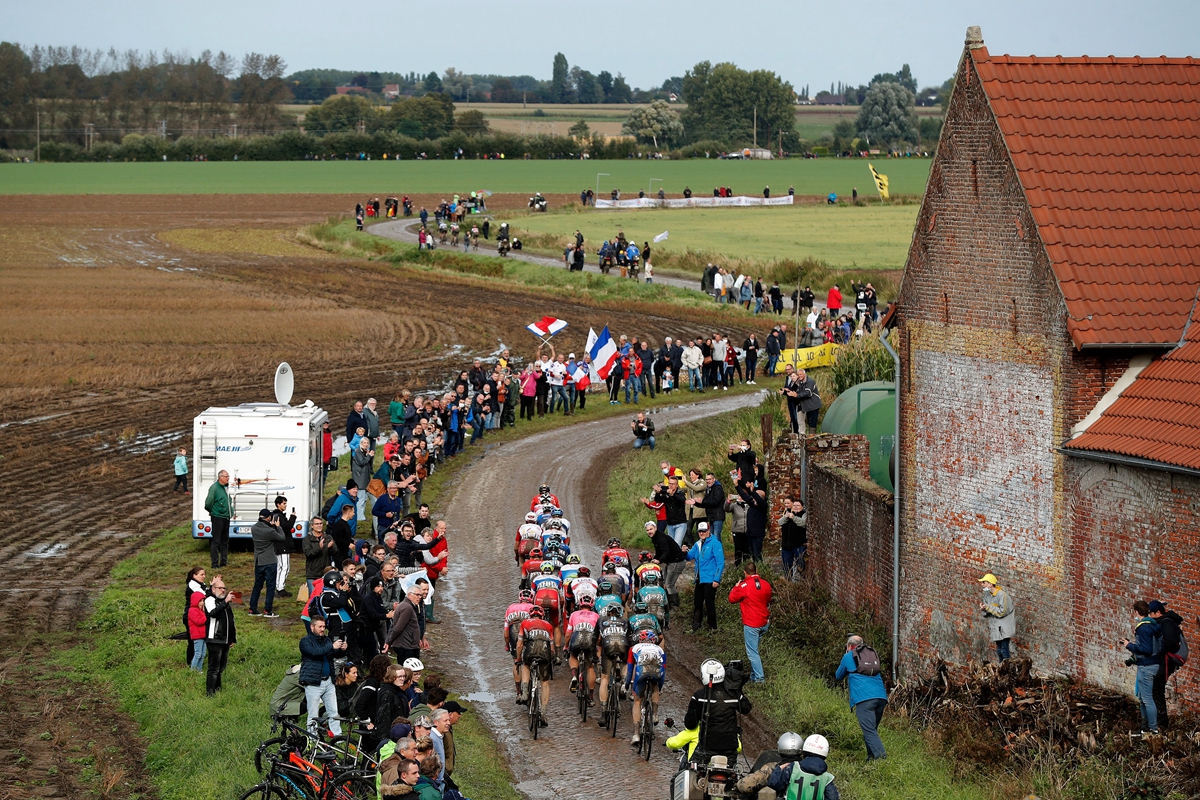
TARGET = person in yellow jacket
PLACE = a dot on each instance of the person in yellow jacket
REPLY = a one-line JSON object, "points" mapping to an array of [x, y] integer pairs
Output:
{"points": [[688, 738]]}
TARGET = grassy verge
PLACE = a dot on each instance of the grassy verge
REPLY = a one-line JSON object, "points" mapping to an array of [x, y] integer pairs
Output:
{"points": [[490, 272]]}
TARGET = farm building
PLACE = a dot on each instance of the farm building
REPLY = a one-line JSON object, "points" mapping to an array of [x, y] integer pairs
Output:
{"points": [[1048, 325]]}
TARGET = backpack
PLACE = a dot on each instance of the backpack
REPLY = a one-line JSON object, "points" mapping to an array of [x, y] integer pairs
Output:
{"points": [[866, 661]]}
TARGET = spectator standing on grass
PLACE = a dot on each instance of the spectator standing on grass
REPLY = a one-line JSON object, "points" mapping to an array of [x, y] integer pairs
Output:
{"points": [[692, 359], [362, 466], [709, 558], [752, 595], [1146, 648], [355, 420], [317, 652], [750, 346], [673, 499], [265, 535], [181, 472], [218, 508], [776, 298], [643, 432], [318, 552], [195, 618], [1001, 615], [868, 695], [342, 533], [283, 558], [773, 352], [737, 509], [326, 450], [793, 538], [221, 634], [833, 301], [694, 483], [404, 640]]}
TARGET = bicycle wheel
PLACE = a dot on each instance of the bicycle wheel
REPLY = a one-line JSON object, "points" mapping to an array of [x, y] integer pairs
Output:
{"points": [[269, 746], [614, 703], [297, 783], [647, 726], [264, 791], [535, 705], [581, 691], [352, 786]]}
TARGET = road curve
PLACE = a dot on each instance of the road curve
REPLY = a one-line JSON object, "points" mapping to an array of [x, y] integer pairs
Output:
{"points": [[403, 230], [491, 498]]}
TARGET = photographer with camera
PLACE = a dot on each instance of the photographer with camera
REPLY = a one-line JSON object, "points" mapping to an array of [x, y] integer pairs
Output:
{"points": [[317, 652], [643, 432]]}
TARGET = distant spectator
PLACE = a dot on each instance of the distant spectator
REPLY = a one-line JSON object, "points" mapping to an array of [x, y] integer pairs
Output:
{"points": [[643, 432], [265, 536], [1172, 642], [355, 420], [221, 634], [1001, 616], [709, 558], [793, 538], [181, 472], [316, 674], [1145, 647], [218, 507]]}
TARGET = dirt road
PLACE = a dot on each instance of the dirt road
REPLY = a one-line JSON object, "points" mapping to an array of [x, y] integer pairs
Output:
{"points": [[489, 503]]}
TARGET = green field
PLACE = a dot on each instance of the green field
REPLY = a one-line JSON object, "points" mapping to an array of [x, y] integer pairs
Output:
{"points": [[810, 177], [847, 237]]}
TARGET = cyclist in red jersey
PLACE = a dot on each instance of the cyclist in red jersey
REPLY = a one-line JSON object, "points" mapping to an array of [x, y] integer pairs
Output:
{"points": [[543, 496], [531, 566], [516, 614], [548, 596], [534, 651]]}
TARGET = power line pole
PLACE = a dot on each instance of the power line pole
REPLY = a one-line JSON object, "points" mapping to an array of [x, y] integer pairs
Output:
{"points": [[756, 127], [37, 150]]}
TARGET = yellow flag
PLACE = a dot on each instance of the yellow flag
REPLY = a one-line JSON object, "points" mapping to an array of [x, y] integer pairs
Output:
{"points": [[881, 182]]}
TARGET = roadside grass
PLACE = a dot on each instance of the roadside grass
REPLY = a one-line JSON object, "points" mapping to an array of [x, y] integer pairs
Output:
{"points": [[806, 641], [809, 176], [489, 271]]}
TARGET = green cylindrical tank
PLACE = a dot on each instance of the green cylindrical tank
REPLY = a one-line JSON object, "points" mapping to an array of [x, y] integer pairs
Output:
{"points": [[869, 409]]}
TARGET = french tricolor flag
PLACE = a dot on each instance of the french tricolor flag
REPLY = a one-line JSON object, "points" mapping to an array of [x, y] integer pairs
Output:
{"points": [[602, 350], [581, 375], [546, 326]]}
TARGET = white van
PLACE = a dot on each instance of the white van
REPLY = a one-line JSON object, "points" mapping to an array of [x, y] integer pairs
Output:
{"points": [[268, 449]]}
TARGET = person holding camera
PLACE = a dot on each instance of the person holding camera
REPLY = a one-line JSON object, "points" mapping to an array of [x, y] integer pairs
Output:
{"points": [[793, 538], [1146, 649], [643, 432], [317, 652], [221, 634]]}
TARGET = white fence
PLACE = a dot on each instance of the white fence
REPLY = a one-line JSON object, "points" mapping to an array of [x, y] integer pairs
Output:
{"points": [[697, 202]]}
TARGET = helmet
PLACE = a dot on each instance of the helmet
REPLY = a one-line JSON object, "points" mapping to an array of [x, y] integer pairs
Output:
{"points": [[609, 567], [644, 556], [553, 525], [817, 745], [614, 542], [572, 559], [606, 587], [587, 601], [788, 744], [650, 579], [416, 666], [544, 489], [712, 671], [584, 572], [547, 508], [537, 612], [640, 606], [613, 610], [525, 596], [536, 552], [547, 568], [647, 636], [531, 516], [556, 512]]}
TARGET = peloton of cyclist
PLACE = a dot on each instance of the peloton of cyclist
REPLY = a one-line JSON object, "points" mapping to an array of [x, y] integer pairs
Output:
{"points": [[655, 597], [613, 650], [647, 662], [581, 646], [516, 614], [547, 594], [534, 648], [543, 497]]}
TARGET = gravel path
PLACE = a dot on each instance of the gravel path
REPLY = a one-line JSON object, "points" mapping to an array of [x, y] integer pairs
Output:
{"points": [[489, 503]]}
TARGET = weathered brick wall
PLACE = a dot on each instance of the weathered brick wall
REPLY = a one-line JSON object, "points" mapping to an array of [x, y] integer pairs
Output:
{"points": [[1136, 535], [850, 539], [983, 338], [847, 452]]}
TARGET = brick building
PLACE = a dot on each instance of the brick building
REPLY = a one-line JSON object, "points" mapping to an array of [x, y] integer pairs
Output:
{"points": [[1049, 334]]}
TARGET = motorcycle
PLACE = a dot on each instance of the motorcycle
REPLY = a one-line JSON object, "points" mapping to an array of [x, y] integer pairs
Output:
{"points": [[537, 203], [696, 781], [502, 247]]}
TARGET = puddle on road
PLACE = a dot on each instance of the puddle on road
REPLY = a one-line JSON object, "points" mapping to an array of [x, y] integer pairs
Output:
{"points": [[479, 697]]}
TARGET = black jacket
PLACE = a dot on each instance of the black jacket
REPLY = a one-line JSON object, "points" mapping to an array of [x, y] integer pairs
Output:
{"points": [[673, 504], [316, 556], [316, 659], [221, 627], [773, 348], [1171, 633], [643, 430], [287, 524], [666, 551], [715, 709], [339, 531], [756, 512], [713, 502], [390, 703], [354, 421], [793, 532], [744, 462], [676, 357]]}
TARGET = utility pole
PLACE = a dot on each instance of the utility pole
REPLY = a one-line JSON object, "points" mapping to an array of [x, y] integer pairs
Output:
{"points": [[162, 129], [756, 127], [90, 135], [37, 150]]}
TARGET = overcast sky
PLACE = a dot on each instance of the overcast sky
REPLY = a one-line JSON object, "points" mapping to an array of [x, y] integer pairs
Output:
{"points": [[807, 43]]}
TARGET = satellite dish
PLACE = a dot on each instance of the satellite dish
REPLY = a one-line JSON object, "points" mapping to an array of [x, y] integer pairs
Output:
{"points": [[284, 383]]}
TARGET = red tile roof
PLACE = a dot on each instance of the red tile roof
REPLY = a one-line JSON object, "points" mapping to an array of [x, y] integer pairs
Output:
{"points": [[1108, 151], [1158, 416]]}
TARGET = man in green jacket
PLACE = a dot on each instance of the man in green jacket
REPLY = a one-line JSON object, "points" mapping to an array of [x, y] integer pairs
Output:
{"points": [[218, 508]]}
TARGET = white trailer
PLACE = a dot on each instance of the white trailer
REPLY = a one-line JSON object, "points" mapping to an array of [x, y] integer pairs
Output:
{"points": [[268, 449]]}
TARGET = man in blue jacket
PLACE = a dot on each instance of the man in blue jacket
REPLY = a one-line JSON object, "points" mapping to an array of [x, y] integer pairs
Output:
{"points": [[1146, 648], [709, 558], [316, 673], [868, 698], [347, 496]]}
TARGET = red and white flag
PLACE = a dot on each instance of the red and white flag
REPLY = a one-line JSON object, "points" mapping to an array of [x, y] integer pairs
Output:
{"points": [[581, 376], [546, 327]]}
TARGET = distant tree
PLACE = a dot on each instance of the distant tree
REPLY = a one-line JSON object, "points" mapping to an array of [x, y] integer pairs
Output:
{"points": [[672, 86], [341, 112], [428, 117], [432, 83], [375, 83], [559, 90], [887, 114], [724, 102], [904, 77], [359, 80], [16, 94], [261, 88], [503, 92], [605, 79], [580, 130], [621, 93], [587, 89], [456, 84], [930, 129], [471, 122], [656, 123]]}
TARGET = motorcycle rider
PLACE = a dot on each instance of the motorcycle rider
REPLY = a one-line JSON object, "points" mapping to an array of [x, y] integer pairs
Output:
{"points": [[787, 748], [715, 707], [810, 775]]}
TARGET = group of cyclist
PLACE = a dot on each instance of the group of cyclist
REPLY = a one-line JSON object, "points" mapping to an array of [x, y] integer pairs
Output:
{"points": [[609, 624]]}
